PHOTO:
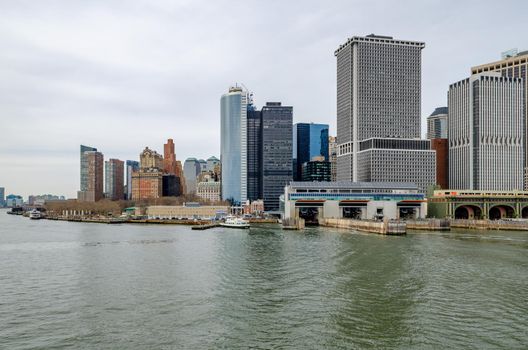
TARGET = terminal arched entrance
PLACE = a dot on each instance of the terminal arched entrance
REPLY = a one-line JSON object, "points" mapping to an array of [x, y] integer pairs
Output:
{"points": [[524, 213], [502, 211], [469, 211]]}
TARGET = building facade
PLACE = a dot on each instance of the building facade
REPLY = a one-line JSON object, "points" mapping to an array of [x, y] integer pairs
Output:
{"points": [[317, 169], [378, 96], [437, 124], [114, 179], [353, 200], [147, 183], [309, 140], [212, 162], [486, 133], [150, 159], [209, 190], [233, 144], [191, 169], [397, 160], [254, 154], [332, 152], [131, 166], [441, 147], [2, 196], [171, 166], [94, 177], [277, 148], [170, 185], [513, 64], [84, 167]]}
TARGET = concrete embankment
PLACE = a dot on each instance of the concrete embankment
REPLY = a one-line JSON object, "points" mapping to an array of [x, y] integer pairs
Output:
{"points": [[508, 225], [103, 220], [380, 227], [293, 224], [429, 225]]}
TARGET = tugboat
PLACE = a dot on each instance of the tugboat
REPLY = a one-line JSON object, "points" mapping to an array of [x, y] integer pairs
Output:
{"points": [[234, 222], [35, 214]]}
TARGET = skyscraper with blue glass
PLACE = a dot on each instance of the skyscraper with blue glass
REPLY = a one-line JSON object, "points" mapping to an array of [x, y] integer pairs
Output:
{"points": [[309, 140], [233, 144]]}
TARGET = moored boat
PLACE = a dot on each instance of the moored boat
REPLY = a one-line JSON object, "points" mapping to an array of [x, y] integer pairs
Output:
{"points": [[234, 222], [35, 214]]}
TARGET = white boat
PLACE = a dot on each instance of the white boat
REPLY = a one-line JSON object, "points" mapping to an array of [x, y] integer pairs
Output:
{"points": [[234, 222], [35, 214]]}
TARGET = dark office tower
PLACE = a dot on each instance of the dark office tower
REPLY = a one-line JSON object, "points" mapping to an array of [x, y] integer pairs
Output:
{"points": [[309, 140], [171, 185], [114, 173], [317, 170], [84, 166], [131, 166], [276, 152], [254, 154]]}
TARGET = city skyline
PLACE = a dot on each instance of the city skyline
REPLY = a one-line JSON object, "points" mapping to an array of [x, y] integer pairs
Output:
{"points": [[78, 86]]}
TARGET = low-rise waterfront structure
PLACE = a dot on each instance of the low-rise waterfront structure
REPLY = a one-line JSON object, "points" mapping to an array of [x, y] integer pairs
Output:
{"points": [[354, 200], [471, 204], [173, 212]]}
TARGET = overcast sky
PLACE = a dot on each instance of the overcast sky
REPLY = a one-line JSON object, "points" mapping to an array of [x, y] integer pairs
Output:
{"points": [[122, 75]]}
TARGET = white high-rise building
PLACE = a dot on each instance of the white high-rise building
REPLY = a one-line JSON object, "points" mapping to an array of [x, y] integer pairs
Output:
{"points": [[233, 144], [486, 133]]}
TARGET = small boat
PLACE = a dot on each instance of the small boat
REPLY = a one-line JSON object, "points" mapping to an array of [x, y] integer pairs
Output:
{"points": [[234, 222], [35, 214]]}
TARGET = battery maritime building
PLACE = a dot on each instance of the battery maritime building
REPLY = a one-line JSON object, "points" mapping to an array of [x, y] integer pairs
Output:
{"points": [[378, 112]]}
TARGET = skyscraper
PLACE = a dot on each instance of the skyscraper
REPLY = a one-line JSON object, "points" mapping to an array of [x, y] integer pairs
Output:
{"points": [[2, 196], [233, 144], [486, 133], [378, 112], [513, 64], [93, 176], [131, 166], [84, 167], [437, 124], [212, 162], [191, 169], [172, 166], [277, 152], [309, 140], [169, 158], [254, 154], [114, 173]]}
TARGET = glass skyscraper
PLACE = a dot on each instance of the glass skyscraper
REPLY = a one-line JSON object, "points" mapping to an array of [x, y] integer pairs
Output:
{"points": [[233, 144], [309, 140]]}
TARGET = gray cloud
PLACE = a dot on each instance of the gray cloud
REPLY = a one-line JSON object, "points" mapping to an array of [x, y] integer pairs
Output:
{"points": [[120, 75]]}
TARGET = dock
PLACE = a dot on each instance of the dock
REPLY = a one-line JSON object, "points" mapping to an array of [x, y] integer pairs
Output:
{"points": [[205, 226], [385, 227]]}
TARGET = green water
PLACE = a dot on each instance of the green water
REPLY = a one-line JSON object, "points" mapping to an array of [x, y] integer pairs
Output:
{"points": [[94, 286]]}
